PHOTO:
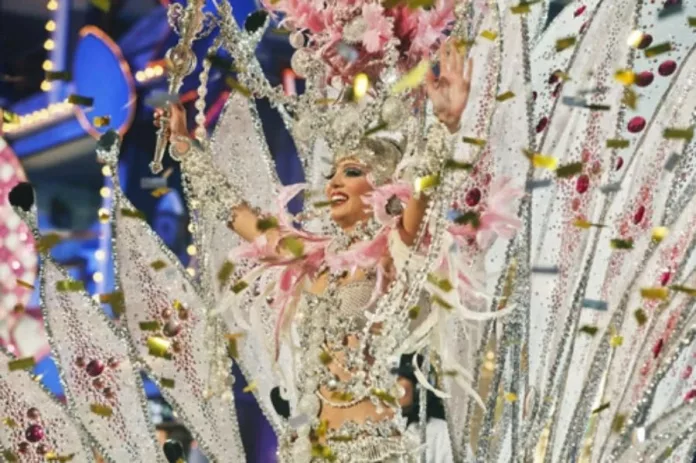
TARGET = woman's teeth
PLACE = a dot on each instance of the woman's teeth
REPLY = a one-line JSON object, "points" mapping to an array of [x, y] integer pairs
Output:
{"points": [[338, 198]]}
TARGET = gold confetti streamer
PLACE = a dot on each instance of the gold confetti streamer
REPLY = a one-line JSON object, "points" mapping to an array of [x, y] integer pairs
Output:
{"points": [[456, 165], [9, 422], [54, 457], [545, 162], [151, 325], [562, 76], [511, 397], [470, 217], [239, 287], [569, 170], [104, 217], [616, 341], [659, 294], [625, 76], [101, 121], [679, 134], [617, 423], [641, 317], [584, 224], [598, 107], [232, 346], [505, 96], [684, 289], [490, 35], [442, 303], [251, 387], [588, 329], [384, 396], [692, 21], [618, 243], [426, 183], [617, 143], [159, 192], [601, 408], [325, 357], [167, 382], [443, 283], [81, 100], [159, 347], [70, 286], [412, 79], [133, 214], [659, 233], [236, 86], [562, 44], [630, 98], [24, 284], [48, 242], [658, 49], [413, 312], [361, 84], [116, 300], [266, 223], [103, 5], [474, 141], [101, 410], [378, 128], [294, 245], [158, 265], [225, 272], [52, 76], [320, 204]]}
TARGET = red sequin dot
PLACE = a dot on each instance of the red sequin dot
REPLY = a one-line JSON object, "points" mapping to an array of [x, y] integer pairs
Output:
{"points": [[473, 197], [98, 383], [534, 95], [553, 78], [582, 184], [95, 368], [557, 90], [644, 78], [657, 348], [690, 395], [645, 41], [665, 277], [667, 68], [542, 124], [636, 124], [23, 447], [34, 433], [579, 11], [584, 27], [638, 216], [112, 362], [575, 204], [619, 163]]}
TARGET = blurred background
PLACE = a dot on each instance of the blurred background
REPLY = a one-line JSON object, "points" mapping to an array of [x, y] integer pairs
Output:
{"points": [[112, 52]]}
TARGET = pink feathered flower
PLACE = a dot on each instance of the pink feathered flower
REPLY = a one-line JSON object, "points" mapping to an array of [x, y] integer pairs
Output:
{"points": [[379, 27], [378, 199]]}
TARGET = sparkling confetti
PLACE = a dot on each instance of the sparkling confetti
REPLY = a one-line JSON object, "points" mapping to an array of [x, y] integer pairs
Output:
{"points": [[616, 341], [81, 100], [588, 329], [158, 265], [21, 364], [412, 79], [658, 49], [52, 76], [150, 325], [236, 86], [641, 317], [505, 96], [251, 387], [679, 134], [474, 141], [569, 170], [266, 223], [239, 287], [565, 43], [167, 382], [595, 304], [618, 243], [617, 143], [601, 408], [361, 84], [659, 294], [490, 35], [101, 410], [456, 165], [159, 347], [70, 286], [625, 76], [659, 233], [102, 121]]}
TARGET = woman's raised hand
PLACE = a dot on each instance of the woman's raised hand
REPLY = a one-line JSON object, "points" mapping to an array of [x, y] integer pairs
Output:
{"points": [[449, 92], [175, 114]]}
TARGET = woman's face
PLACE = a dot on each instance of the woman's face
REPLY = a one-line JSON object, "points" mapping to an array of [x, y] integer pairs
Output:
{"points": [[347, 184]]}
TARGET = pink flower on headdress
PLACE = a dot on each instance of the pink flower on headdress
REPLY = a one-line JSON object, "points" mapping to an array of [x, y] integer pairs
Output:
{"points": [[379, 27]]}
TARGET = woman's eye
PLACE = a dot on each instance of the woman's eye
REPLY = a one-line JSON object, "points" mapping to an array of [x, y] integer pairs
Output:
{"points": [[353, 172]]}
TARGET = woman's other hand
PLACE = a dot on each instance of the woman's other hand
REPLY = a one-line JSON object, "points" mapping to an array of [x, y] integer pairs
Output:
{"points": [[175, 116], [449, 92]]}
